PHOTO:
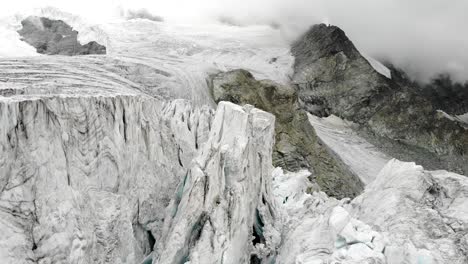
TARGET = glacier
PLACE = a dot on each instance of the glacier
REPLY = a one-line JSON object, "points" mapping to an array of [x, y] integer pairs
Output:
{"points": [[126, 158], [85, 166], [406, 215]]}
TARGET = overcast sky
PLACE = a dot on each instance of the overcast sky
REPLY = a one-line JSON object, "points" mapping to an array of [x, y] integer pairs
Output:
{"points": [[424, 37]]}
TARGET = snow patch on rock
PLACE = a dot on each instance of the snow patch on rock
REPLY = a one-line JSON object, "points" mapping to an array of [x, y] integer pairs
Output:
{"points": [[378, 66], [363, 159], [463, 118]]}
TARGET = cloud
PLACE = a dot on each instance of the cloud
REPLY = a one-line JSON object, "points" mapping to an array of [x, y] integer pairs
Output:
{"points": [[424, 37], [143, 14]]}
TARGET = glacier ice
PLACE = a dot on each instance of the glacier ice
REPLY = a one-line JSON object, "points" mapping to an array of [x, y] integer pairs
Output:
{"points": [[406, 215], [126, 159], [422, 213], [85, 179], [225, 196], [318, 229]]}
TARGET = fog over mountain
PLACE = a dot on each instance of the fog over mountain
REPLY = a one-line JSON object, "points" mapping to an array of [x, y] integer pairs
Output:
{"points": [[422, 36]]}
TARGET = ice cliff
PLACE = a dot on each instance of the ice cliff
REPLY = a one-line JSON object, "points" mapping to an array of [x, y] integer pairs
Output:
{"points": [[89, 178]]}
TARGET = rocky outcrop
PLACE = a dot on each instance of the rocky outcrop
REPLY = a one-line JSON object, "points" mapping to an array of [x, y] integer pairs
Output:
{"points": [[55, 37], [333, 78], [297, 145], [447, 95]]}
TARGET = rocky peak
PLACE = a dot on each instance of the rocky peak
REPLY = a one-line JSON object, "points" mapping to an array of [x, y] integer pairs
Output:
{"points": [[332, 77], [55, 37], [322, 41]]}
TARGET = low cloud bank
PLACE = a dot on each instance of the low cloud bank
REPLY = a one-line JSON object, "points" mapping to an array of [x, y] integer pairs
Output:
{"points": [[423, 37]]}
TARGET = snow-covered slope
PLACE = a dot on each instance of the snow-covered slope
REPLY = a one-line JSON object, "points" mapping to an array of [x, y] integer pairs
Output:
{"points": [[182, 56], [173, 60], [362, 158]]}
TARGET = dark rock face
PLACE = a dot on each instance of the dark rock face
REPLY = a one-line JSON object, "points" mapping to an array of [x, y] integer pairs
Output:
{"points": [[296, 143], [333, 78], [55, 37], [447, 95], [92, 48]]}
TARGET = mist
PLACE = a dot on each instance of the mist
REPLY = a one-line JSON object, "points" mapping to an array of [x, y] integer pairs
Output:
{"points": [[423, 37]]}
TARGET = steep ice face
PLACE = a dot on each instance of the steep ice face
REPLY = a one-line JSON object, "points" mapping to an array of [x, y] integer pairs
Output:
{"points": [[89, 165], [223, 211], [87, 178]]}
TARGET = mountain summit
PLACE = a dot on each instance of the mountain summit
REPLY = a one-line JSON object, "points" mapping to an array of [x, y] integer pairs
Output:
{"points": [[55, 37], [332, 77]]}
